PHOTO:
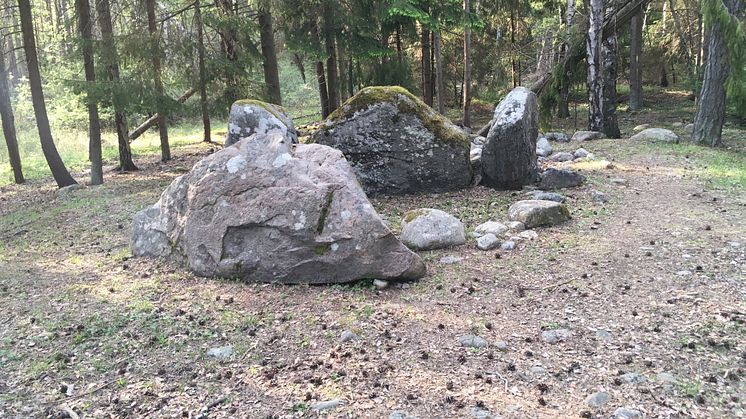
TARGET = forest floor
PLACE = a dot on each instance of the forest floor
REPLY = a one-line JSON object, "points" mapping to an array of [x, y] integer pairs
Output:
{"points": [[651, 283]]}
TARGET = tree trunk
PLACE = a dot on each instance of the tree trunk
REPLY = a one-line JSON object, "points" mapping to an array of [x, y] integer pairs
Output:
{"points": [[635, 71], [563, 108], [427, 93], [398, 45], [13, 62], [593, 58], [513, 70], [56, 165], [111, 61], [467, 68], [439, 82], [229, 48], [663, 74], [85, 26], [207, 134], [8, 121], [332, 82], [342, 72], [710, 116], [156, 57], [323, 92], [610, 125], [684, 44], [350, 82], [298, 61], [267, 36], [620, 16]]}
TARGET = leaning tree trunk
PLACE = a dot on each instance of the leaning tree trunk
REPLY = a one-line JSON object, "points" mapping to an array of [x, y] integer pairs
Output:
{"points": [[207, 135], [427, 83], [85, 26], [269, 55], [710, 116], [111, 61], [610, 125], [467, 68], [635, 70], [593, 58], [56, 165], [8, 121], [156, 60]]}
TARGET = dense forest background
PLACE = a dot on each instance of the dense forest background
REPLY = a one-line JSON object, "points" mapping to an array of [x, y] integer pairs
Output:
{"points": [[188, 61]]}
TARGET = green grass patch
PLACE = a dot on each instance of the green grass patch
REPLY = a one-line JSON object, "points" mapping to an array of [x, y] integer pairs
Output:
{"points": [[72, 145], [718, 167]]}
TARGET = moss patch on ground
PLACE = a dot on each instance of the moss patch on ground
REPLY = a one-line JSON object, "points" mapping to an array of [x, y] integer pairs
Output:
{"points": [[407, 103]]}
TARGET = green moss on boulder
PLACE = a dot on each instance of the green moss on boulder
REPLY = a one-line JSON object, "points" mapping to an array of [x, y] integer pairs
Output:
{"points": [[407, 103]]}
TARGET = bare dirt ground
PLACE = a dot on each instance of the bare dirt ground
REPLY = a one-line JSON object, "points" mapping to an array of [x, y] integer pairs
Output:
{"points": [[651, 283]]}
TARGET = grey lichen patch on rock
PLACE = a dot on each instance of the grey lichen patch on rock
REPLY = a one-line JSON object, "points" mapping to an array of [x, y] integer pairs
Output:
{"points": [[267, 210], [536, 213], [249, 117], [430, 228], [397, 144]]}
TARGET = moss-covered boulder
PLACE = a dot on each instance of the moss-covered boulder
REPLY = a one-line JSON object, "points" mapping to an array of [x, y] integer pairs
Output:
{"points": [[249, 117], [397, 144]]}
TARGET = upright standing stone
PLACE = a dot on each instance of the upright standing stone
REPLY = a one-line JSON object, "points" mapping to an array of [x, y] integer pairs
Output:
{"points": [[509, 156]]}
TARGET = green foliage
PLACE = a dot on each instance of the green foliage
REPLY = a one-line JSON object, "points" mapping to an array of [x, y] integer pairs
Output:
{"points": [[390, 73]]}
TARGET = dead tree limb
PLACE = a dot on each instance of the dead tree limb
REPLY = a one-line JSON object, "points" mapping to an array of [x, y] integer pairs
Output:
{"points": [[153, 120]]}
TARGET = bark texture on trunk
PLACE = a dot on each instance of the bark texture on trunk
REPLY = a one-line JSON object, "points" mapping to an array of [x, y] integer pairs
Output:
{"points": [[323, 93], [269, 54], [439, 82], [156, 61], [332, 82], [111, 61], [593, 58], [610, 125], [12, 61], [710, 115], [8, 122], [427, 83], [56, 165], [229, 46], [207, 134], [85, 26], [635, 70], [467, 69], [563, 108]]}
